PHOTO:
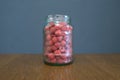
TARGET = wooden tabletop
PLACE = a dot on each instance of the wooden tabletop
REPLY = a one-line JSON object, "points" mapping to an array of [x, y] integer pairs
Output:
{"points": [[85, 67]]}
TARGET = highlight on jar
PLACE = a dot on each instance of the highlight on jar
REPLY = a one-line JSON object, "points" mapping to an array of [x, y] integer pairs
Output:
{"points": [[58, 40]]}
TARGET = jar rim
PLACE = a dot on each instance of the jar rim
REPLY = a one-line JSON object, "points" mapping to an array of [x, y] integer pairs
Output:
{"points": [[58, 18]]}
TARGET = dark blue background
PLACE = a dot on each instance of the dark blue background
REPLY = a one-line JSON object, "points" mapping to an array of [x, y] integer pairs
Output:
{"points": [[96, 24]]}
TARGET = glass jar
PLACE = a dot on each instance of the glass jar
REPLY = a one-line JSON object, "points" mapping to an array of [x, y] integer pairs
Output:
{"points": [[58, 40]]}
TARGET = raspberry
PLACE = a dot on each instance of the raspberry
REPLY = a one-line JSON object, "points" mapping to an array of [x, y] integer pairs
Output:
{"points": [[64, 28], [57, 44], [48, 49], [58, 32], [63, 57], [46, 28], [63, 43], [63, 50], [63, 34], [48, 37], [66, 38], [54, 39], [70, 28], [57, 52], [51, 56], [57, 27], [51, 23], [53, 60], [53, 48], [59, 38], [47, 32], [57, 57], [60, 61], [53, 35], [50, 43], [52, 29]]}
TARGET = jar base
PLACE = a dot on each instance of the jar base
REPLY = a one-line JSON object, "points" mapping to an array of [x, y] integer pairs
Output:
{"points": [[57, 64]]}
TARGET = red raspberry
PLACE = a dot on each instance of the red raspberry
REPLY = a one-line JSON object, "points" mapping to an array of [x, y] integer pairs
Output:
{"points": [[63, 34], [48, 49], [67, 29], [53, 60], [70, 28], [52, 29], [57, 27], [53, 48], [63, 43], [60, 61], [65, 38], [58, 32], [57, 52], [64, 28], [57, 44], [51, 56], [63, 50], [51, 23], [53, 35], [54, 39], [59, 38], [57, 57], [50, 42], [47, 32], [48, 37], [46, 28], [63, 57]]}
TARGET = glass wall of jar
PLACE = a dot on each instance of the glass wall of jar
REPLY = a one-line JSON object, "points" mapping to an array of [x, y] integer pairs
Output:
{"points": [[58, 40]]}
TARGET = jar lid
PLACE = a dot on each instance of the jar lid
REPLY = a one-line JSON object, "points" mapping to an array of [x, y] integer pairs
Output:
{"points": [[58, 18]]}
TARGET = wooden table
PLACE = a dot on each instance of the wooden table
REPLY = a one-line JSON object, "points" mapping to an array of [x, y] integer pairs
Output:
{"points": [[85, 67]]}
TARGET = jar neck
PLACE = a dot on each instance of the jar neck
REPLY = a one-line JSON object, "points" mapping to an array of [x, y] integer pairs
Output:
{"points": [[58, 18]]}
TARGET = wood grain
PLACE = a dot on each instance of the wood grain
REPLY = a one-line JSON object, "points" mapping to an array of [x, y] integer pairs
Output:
{"points": [[85, 67]]}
